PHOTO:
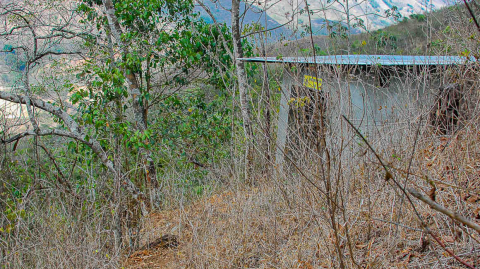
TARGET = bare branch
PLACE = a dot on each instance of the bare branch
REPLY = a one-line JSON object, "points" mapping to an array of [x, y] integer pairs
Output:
{"points": [[267, 30], [43, 133], [76, 132], [435, 206], [41, 55], [472, 15]]}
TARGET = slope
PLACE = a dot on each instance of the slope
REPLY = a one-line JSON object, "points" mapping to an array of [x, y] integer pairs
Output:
{"points": [[439, 32]]}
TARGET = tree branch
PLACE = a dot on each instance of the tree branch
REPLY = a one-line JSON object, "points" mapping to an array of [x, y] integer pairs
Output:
{"points": [[266, 30], [441, 209], [472, 15], [41, 55], [43, 133], [76, 132], [404, 191]]}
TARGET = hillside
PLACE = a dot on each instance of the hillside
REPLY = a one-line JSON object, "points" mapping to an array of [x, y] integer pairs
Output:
{"points": [[371, 12], [252, 15], [135, 134], [432, 33]]}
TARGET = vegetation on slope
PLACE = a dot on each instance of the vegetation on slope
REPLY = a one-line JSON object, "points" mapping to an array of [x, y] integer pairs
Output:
{"points": [[441, 32], [144, 142]]}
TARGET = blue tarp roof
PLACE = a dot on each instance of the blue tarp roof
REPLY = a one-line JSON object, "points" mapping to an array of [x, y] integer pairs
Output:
{"points": [[387, 60]]}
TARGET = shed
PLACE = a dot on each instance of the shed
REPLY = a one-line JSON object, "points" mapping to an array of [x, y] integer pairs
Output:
{"points": [[370, 90]]}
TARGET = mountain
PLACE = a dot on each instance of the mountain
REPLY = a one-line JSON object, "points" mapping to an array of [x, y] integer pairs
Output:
{"points": [[278, 12], [372, 12], [432, 33], [253, 15]]}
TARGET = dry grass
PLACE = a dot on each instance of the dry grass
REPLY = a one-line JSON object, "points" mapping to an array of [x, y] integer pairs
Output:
{"points": [[286, 224], [318, 213], [336, 209], [322, 211]]}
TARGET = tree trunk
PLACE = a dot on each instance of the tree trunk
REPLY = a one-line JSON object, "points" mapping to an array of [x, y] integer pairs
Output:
{"points": [[140, 109], [242, 88]]}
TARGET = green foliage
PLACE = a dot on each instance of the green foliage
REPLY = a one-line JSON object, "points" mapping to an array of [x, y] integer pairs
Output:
{"points": [[186, 130], [13, 215], [304, 51], [190, 126], [142, 16], [318, 51], [159, 34], [337, 30], [207, 45], [418, 17], [384, 39], [394, 13]]}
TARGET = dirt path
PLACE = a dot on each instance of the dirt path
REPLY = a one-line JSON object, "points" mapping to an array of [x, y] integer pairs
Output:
{"points": [[175, 248]]}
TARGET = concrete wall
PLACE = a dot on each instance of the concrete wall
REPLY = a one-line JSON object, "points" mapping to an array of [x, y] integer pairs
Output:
{"points": [[369, 98]]}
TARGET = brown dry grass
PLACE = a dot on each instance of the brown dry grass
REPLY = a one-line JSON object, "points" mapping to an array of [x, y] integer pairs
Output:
{"points": [[286, 224]]}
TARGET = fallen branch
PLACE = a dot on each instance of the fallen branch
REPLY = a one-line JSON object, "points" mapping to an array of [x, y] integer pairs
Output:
{"points": [[441, 209], [389, 176]]}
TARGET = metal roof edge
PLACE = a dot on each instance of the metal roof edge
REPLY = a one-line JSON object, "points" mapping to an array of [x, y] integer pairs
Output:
{"points": [[367, 60]]}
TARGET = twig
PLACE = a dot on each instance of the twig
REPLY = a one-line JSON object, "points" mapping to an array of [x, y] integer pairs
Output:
{"points": [[306, 177], [450, 252], [266, 30], [388, 175], [472, 15], [411, 158], [424, 177], [398, 224]]}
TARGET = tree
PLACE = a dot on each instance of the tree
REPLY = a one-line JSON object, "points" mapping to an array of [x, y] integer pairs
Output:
{"points": [[242, 87], [238, 10], [123, 54]]}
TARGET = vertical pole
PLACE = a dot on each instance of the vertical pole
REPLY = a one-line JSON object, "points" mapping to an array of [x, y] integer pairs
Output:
{"points": [[282, 130]]}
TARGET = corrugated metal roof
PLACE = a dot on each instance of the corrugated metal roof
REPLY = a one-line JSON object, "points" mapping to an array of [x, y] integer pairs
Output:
{"points": [[387, 60]]}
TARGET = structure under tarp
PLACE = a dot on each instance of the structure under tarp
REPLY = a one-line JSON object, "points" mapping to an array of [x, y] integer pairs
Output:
{"points": [[370, 90]]}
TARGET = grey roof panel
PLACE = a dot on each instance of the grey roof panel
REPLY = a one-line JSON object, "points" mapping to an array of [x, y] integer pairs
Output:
{"points": [[390, 60]]}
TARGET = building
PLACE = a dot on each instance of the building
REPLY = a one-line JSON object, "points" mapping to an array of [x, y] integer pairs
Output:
{"points": [[370, 90]]}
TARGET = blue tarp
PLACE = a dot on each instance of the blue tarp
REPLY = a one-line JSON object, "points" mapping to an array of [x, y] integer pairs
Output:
{"points": [[387, 60]]}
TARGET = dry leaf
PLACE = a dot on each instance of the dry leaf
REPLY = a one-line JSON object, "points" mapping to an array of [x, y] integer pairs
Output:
{"points": [[404, 253], [476, 213], [360, 246], [472, 199], [432, 193], [448, 239]]}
